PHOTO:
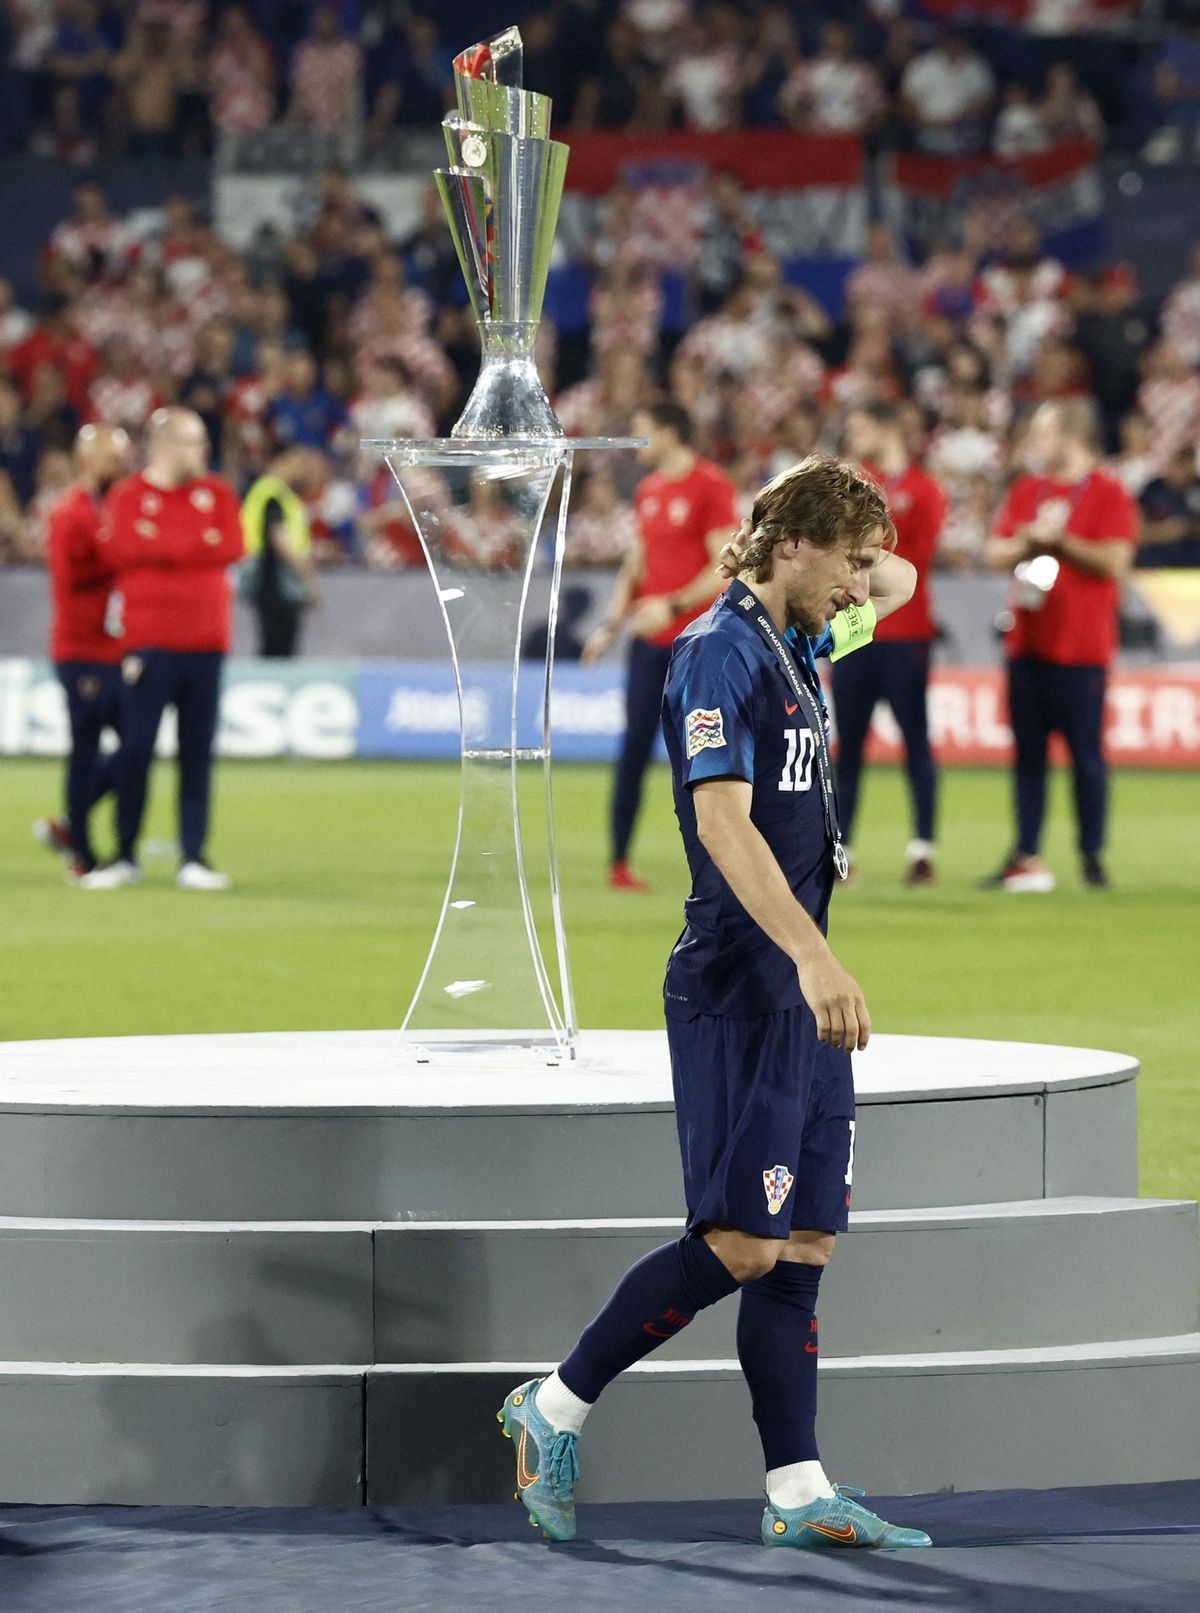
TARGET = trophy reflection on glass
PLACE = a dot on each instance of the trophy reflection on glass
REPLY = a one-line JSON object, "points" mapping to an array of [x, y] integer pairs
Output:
{"points": [[487, 503]]}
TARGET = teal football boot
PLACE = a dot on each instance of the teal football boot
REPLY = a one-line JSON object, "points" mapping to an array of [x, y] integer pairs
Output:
{"points": [[547, 1463], [832, 1522]]}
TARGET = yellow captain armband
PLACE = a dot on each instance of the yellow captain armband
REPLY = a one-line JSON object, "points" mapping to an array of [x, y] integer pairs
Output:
{"points": [[851, 628]]}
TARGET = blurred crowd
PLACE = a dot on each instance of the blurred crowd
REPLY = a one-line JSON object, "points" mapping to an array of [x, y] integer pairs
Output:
{"points": [[148, 77], [346, 334]]}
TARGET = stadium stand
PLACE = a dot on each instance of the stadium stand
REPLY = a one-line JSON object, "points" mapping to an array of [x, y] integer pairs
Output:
{"points": [[774, 214]]}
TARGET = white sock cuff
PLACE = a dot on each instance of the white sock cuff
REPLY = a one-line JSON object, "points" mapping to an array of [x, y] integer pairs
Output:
{"points": [[561, 1407], [798, 1484], [919, 850]]}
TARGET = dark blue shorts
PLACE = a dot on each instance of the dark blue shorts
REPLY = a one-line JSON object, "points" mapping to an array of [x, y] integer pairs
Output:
{"points": [[766, 1122]]}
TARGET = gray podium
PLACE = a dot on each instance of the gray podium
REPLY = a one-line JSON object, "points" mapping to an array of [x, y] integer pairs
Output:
{"points": [[289, 1269]]}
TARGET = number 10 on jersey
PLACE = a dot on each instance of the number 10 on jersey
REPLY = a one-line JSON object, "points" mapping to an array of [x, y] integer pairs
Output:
{"points": [[798, 768]]}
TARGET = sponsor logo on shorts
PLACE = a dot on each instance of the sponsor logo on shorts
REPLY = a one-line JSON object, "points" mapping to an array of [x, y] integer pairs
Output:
{"points": [[777, 1184], [704, 730]]}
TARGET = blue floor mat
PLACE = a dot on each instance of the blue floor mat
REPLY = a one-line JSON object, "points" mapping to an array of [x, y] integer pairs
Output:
{"points": [[1106, 1549]]}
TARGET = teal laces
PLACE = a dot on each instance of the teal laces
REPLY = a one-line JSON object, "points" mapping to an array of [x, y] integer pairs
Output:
{"points": [[562, 1464]]}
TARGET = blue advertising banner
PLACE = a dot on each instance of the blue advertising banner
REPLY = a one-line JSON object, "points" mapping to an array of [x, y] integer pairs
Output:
{"points": [[329, 710]]}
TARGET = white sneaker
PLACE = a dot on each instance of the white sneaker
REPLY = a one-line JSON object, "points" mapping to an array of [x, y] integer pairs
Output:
{"points": [[112, 877], [200, 877], [1032, 879]]}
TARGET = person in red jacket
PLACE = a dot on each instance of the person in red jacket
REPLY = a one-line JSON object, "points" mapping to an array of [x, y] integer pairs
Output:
{"points": [[171, 534], [686, 509], [1069, 531], [84, 652], [895, 665]]}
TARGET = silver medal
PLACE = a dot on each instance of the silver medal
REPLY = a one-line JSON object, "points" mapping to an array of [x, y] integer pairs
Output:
{"points": [[840, 860]]}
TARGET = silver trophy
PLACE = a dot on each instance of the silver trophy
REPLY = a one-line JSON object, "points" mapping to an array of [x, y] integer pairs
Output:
{"points": [[489, 505], [502, 193]]}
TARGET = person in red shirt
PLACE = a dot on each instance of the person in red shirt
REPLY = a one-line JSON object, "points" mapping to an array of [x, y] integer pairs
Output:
{"points": [[170, 535], [1069, 531], [686, 509], [54, 340], [84, 652], [895, 665]]}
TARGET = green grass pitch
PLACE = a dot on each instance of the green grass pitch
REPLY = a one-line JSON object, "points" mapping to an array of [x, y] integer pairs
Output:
{"points": [[339, 871]]}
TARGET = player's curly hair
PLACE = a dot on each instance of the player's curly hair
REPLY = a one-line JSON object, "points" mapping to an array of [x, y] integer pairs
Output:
{"points": [[823, 500]]}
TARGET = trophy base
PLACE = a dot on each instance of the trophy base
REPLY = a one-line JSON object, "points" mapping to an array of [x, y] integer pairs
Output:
{"points": [[508, 401]]}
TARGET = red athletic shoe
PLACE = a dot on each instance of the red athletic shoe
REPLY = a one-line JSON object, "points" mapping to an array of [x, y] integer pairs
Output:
{"points": [[55, 835], [622, 878]]}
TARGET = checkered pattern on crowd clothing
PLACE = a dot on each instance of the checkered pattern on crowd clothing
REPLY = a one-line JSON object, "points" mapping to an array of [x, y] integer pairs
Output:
{"points": [[404, 414], [113, 402], [106, 243], [325, 80], [240, 96], [970, 464], [491, 540], [580, 408], [601, 540], [1172, 406], [721, 344], [1181, 319], [626, 319], [424, 359], [894, 287], [666, 223]]}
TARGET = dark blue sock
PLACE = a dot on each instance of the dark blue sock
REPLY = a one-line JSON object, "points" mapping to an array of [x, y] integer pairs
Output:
{"points": [[777, 1346], [654, 1300]]}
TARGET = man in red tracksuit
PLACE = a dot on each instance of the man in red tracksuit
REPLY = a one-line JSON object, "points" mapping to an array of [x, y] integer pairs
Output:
{"points": [[1078, 526], [84, 653], [171, 534], [895, 666], [686, 509]]}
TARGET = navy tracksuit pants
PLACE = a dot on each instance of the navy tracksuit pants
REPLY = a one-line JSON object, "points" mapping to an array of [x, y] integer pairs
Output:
{"points": [[1044, 698], [93, 691], [898, 672], [189, 680], [646, 678]]}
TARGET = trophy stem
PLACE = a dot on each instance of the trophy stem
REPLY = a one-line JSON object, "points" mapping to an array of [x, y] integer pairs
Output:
{"points": [[486, 985], [508, 399]]}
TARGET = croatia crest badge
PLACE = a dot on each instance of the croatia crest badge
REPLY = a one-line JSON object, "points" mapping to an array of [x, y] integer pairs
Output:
{"points": [[777, 1183], [704, 730]]}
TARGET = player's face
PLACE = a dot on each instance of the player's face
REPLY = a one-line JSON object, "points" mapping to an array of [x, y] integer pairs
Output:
{"points": [[826, 580]]}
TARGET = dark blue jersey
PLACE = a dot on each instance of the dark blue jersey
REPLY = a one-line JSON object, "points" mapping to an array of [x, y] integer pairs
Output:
{"points": [[729, 712]]}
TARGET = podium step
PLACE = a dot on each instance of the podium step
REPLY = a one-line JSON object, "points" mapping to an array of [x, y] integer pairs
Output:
{"points": [[1043, 1271], [398, 1435], [292, 1294], [1126, 1410], [144, 1435]]}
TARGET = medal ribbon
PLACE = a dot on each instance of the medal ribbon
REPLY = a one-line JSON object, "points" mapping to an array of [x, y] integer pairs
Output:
{"points": [[810, 702]]}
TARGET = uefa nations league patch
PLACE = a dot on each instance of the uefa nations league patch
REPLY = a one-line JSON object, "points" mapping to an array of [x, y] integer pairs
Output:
{"points": [[704, 730]]}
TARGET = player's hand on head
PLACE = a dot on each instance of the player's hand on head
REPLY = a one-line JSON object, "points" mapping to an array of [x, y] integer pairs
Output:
{"points": [[730, 557], [836, 1000]]}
